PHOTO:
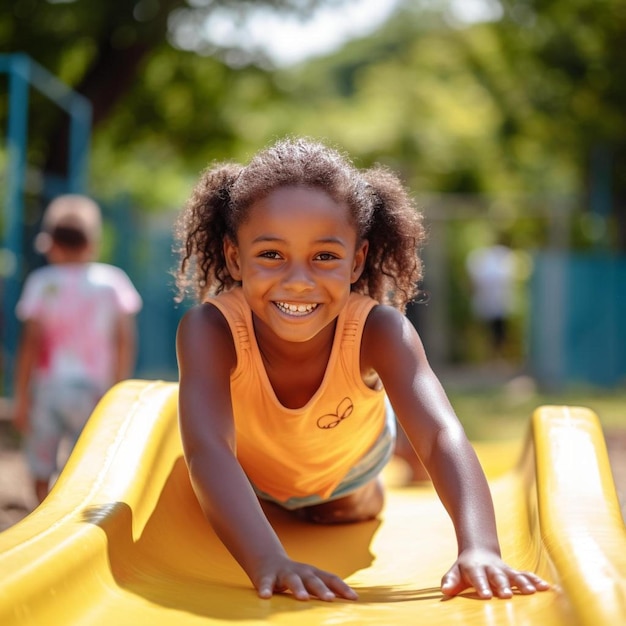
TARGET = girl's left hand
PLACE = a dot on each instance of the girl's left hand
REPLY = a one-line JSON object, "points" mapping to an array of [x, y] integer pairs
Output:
{"points": [[489, 575]]}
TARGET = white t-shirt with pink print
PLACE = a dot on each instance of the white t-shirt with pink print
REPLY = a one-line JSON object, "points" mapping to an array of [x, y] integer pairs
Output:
{"points": [[77, 306]]}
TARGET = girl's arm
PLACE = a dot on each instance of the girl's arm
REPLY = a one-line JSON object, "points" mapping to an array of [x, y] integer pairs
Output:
{"points": [[392, 347], [206, 357]]}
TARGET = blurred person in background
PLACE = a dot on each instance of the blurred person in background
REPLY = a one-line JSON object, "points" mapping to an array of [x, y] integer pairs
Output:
{"points": [[78, 335], [492, 273]]}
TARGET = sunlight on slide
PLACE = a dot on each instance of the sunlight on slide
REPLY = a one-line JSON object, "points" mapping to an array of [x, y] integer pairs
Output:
{"points": [[121, 539]]}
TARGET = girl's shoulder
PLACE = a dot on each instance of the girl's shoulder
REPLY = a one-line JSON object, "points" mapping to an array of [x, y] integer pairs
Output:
{"points": [[204, 330], [386, 330], [215, 309], [204, 317], [383, 318]]}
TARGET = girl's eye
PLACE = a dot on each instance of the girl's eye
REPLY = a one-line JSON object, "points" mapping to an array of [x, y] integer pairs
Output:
{"points": [[269, 254], [326, 256]]}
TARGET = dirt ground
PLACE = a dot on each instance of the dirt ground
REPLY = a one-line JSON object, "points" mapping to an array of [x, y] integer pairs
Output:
{"points": [[17, 498]]}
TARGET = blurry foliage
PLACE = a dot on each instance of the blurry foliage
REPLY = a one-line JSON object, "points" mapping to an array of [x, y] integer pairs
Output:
{"points": [[152, 77], [511, 106], [515, 110], [571, 62]]}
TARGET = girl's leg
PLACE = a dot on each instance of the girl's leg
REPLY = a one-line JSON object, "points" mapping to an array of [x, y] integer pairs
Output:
{"points": [[363, 504]]}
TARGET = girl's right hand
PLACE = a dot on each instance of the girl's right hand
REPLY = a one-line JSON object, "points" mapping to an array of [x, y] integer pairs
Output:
{"points": [[281, 574]]}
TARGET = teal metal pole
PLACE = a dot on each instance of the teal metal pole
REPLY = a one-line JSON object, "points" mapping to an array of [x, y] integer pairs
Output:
{"points": [[79, 110], [18, 67], [80, 134]]}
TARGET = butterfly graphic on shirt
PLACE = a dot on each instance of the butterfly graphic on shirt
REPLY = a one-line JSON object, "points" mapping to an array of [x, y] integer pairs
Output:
{"points": [[331, 420]]}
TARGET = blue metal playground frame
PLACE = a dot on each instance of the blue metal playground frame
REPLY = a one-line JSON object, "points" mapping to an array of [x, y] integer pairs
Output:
{"points": [[24, 73]]}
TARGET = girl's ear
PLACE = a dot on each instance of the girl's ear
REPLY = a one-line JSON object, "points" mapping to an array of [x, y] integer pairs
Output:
{"points": [[231, 256], [359, 260]]}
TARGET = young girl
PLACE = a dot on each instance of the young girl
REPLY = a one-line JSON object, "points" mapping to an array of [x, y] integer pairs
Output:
{"points": [[290, 364]]}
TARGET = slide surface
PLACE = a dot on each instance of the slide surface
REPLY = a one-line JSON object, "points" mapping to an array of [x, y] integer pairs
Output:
{"points": [[121, 539]]}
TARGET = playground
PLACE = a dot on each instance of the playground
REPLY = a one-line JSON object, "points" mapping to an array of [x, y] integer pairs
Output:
{"points": [[121, 537]]}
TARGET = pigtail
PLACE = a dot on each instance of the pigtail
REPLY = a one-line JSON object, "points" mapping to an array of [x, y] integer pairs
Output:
{"points": [[393, 268], [200, 231]]}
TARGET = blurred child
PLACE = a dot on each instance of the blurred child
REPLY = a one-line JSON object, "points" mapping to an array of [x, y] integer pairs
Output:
{"points": [[292, 360], [78, 335], [492, 272]]}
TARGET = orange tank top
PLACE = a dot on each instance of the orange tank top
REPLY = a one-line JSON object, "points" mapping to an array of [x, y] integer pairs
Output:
{"points": [[300, 452]]}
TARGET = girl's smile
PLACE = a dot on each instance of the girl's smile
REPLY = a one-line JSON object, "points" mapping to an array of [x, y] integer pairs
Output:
{"points": [[296, 256], [297, 310]]}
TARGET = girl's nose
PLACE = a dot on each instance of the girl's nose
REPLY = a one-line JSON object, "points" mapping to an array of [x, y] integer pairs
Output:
{"points": [[298, 278]]}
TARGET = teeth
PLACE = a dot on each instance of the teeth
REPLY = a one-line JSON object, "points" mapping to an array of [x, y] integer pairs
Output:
{"points": [[297, 309]]}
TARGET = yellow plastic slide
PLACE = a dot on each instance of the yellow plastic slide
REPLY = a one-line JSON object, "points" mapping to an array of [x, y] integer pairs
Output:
{"points": [[121, 539]]}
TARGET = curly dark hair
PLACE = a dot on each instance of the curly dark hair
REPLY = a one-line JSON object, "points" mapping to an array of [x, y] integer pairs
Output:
{"points": [[380, 206]]}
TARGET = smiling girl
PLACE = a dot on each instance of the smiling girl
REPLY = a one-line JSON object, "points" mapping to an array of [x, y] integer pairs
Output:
{"points": [[295, 355]]}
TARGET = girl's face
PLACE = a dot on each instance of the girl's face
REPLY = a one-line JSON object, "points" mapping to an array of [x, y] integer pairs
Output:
{"points": [[296, 256]]}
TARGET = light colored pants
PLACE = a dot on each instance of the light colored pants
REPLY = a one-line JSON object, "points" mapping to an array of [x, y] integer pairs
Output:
{"points": [[60, 411]]}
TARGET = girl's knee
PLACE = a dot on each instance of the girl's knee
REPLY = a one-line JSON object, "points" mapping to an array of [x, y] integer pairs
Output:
{"points": [[361, 506]]}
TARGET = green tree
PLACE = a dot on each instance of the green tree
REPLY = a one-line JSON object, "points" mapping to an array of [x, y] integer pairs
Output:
{"points": [[407, 96], [103, 50], [569, 59]]}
